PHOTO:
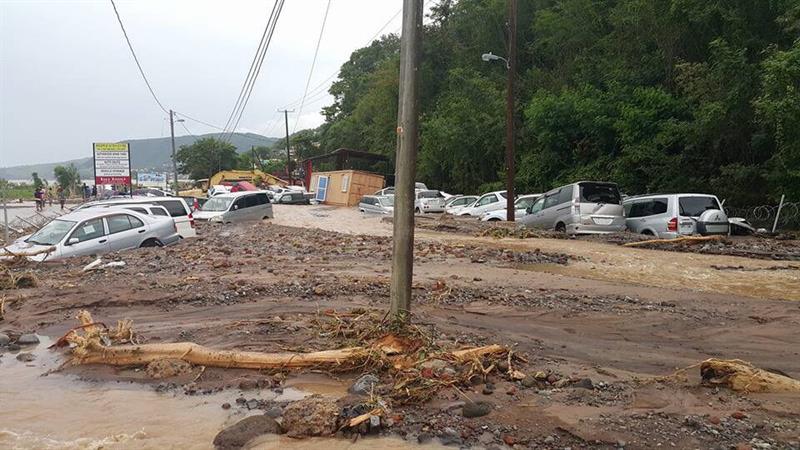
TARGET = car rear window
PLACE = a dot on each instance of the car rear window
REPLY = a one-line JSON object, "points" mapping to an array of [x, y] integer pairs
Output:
{"points": [[599, 193], [695, 206], [175, 207]]}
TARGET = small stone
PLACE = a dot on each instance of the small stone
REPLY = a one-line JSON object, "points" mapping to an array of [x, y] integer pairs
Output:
{"points": [[364, 385], [241, 401], [238, 434], [247, 385], [4, 339], [529, 381], [739, 415], [424, 438], [486, 438], [562, 383], [552, 378], [540, 375], [511, 391], [26, 357], [253, 404], [488, 389], [584, 383], [502, 366], [311, 416], [549, 440], [714, 419], [13, 347], [476, 409], [621, 444], [28, 339], [509, 440], [274, 412], [226, 406]]}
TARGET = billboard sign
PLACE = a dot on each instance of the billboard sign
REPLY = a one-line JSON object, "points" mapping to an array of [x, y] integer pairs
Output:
{"points": [[151, 179], [112, 163]]}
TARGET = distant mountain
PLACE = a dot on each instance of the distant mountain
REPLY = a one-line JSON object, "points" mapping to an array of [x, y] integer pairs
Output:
{"points": [[146, 154]]}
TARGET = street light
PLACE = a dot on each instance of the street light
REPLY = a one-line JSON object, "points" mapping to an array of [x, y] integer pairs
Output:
{"points": [[488, 57]]}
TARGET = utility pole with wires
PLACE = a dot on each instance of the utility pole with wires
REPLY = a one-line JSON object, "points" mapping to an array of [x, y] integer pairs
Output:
{"points": [[510, 102], [288, 155], [174, 158], [406, 161]]}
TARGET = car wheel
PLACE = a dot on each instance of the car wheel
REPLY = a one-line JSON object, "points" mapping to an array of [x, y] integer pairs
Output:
{"points": [[561, 228], [152, 242], [265, 218], [494, 219], [647, 232], [418, 211]]}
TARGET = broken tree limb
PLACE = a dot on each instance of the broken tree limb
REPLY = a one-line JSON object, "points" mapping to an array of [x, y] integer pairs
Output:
{"points": [[742, 376], [477, 352], [675, 241]]}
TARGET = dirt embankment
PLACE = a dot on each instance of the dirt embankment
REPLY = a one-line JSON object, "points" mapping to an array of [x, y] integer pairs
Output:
{"points": [[599, 322]]}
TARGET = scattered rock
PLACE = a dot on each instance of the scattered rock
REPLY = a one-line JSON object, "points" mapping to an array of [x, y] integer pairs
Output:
{"points": [[13, 347], [584, 383], [549, 440], [253, 403], [26, 357], [167, 368], [529, 381], [274, 412], [238, 434], [552, 378], [247, 385], [4, 339], [226, 406], [28, 339], [739, 415], [364, 385], [312, 416], [488, 389], [714, 419], [476, 409], [424, 438], [486, 438]]}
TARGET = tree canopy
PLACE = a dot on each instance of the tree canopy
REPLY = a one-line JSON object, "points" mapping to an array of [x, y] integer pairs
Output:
{"points": [[205, 157], [68, 177], [674, 95]]}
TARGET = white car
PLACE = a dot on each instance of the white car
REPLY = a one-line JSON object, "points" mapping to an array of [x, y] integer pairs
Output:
{"points": [[385, 191], [521, 205], [143, 208], [181, 212], [455, 203], [486, 203], [94, 232], [428, 202]]}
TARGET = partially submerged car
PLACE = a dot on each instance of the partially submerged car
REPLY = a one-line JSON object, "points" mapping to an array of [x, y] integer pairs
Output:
{"points": [[521, 205], [585, 207], [428, 201], [486, 203], [455, 203], [178, 208], [94, 232], [236, 207], [669, 216], [375, 204]]}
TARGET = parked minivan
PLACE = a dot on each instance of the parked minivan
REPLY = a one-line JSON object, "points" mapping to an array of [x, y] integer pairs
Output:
{"points": [[377, 204], [236, 207], [668, 216], [180, 211], [585, 207], [486, 203]]}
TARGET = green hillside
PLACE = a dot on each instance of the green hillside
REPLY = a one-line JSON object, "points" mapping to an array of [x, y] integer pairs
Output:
{"points": [[153, 153]]}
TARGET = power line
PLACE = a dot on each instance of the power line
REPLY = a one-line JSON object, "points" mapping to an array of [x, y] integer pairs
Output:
{"points": [[141, 71], [313, 64]]}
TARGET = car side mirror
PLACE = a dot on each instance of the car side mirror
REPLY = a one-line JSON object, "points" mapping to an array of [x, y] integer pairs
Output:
{"points": [[529, 209], [72, 241]]}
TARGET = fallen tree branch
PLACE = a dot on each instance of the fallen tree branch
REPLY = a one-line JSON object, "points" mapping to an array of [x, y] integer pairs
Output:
{"points": [[675, 240]]}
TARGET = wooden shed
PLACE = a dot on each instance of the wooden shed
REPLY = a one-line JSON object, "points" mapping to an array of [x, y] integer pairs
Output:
{"points": [[344, 187]]}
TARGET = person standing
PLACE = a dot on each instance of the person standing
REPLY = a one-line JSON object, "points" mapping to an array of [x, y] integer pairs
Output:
{"points": [[39, 195], [50, 195], [94, 191], [85, 191], [62, 197]]}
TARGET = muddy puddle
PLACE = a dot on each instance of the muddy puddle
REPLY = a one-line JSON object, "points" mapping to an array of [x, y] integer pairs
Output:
{"points": [[58, 411]]}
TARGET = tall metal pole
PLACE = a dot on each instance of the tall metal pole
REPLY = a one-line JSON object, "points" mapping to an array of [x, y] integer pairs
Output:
{"points": [[512, 68], [174, 158], [288, 156], [406, 161]]}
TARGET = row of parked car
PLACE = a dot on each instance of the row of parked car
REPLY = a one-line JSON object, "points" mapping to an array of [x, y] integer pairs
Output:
{"points": [[585, 207]]}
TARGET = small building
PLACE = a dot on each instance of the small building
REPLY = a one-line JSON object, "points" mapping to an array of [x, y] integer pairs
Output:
{"points": [[344, 187]]}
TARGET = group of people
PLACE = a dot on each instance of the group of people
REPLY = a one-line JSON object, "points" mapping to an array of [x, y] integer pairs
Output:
{"points": [[43, 196]]}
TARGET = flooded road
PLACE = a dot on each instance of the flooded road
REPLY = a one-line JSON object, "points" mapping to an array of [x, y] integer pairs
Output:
{"points": [[42, 410]]}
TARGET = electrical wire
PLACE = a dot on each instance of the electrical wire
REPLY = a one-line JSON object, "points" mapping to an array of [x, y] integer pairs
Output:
{"points": [[136, 59], [313, 64]]}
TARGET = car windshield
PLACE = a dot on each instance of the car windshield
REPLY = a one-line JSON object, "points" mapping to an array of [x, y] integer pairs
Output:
{"points": [[52, 233], [524, 203], [217, 204], [599, 193], [503, 194], [695, 206], [386, 201], [430, 194]]}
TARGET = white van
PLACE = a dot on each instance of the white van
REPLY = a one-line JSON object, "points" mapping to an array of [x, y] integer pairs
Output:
{"points": [[236, 207], [176, 206]]}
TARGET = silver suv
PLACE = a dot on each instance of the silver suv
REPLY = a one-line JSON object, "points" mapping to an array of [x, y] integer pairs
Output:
{"points": [[585, 207], [669, 216]]}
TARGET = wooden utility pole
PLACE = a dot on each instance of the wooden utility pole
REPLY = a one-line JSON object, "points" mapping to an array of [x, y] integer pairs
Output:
{"points": [[510, 97], [406, 160], [174, 158], [288, 155]]}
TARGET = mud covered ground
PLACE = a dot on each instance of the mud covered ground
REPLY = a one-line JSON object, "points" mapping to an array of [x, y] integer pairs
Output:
{"points": [[594, 329]]}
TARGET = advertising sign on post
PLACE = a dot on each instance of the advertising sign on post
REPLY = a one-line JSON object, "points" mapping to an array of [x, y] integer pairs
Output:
{"points": [[151, 179], [112, 163]]}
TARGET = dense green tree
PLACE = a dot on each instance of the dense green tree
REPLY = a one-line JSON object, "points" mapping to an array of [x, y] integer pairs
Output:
{"points": [[68, 177], [205, 157]]}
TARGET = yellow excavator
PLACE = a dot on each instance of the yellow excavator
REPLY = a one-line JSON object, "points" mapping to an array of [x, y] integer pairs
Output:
{"points": [[255, 176]]}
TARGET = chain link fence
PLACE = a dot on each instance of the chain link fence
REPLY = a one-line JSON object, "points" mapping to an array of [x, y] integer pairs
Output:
{"points": [[764, 216]]}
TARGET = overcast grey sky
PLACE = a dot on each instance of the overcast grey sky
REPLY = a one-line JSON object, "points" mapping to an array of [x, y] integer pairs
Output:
{"points": [[67, 78]]}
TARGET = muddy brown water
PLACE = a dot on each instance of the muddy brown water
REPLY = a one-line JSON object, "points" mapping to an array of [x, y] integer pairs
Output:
{"points": [[43, 410]]}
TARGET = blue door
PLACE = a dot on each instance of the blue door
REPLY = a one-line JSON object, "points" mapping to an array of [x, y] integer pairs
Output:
{"points": [[322, 188]]}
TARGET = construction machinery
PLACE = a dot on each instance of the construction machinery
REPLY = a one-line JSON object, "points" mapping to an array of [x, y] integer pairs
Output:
{"points": [[227, 177]]}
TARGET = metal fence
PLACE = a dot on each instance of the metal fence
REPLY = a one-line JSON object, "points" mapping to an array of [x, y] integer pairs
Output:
{"points": [[764, 216]]}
